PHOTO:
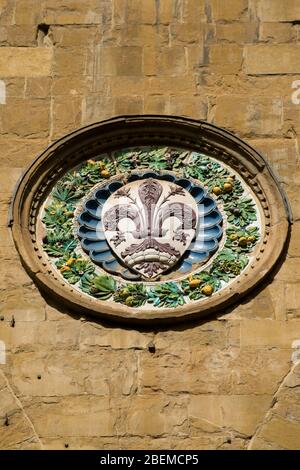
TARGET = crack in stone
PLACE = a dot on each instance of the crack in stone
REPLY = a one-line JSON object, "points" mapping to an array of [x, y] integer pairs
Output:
{"points": [[268, 414], [18, 402]]}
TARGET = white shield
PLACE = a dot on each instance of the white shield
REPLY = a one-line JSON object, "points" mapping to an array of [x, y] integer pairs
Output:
{"points": [[149, 224]]}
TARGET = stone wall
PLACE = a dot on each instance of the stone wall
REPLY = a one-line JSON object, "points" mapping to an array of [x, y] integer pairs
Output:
{"points": [[229, 382]]}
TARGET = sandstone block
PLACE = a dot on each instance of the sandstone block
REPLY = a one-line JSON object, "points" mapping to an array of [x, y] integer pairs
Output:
{"points": [[225, 58], [186, 105], [193, 11], [5, 199], [82, 443], [169, 61], [154, 416], [21, 35], [292, 296], [14, 87], [262, 333], [187, 33], [11, 177], [25, 62], [236, 32], [72, 12], [28, 12], [95, 108], [255, 115], [156, 104], [5, 237], [289, 271], [239, 412], [65, 119], [169, 12], [163, 85], [233, 10], [276, 10], [293, 193], [81, 416], [134, 11], [125, 86], [294, 247], [282, 432], [206, 371], [120, 61], [76, 36], [277, 32], [129, 105], [136, 35], [32, 306], [26, 117], [17, 152], [70, 61], [196, 57], [38, 87], [271, 59], [92, 337]]}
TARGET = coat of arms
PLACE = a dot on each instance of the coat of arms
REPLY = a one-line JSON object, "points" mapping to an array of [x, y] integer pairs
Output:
{"points": [[149, 224]]}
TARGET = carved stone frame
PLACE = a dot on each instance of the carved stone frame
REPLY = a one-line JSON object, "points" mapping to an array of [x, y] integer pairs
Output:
{"points": [[126, 131]]}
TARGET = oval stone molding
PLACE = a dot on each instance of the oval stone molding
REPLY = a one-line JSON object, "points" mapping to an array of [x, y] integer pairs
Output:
{"points": [[149, 219]]}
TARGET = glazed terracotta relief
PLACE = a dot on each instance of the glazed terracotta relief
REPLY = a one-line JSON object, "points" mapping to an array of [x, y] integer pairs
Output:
{"points": [[169, 235], [152, 230]]}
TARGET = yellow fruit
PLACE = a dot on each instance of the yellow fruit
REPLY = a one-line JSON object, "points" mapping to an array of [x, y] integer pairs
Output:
{"points": [[105, 173], [70, 261], [65, 268], [230, 180], [243, 241], [91, 162], [124, 293], [194, 283], [217, 190], [227, 187], [250, 239], [233, 237], [129, 301], [101, 165], [207, 290]]}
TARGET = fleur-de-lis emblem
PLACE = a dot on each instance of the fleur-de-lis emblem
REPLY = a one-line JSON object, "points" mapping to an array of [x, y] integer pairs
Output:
{"points": [[151, 225]]}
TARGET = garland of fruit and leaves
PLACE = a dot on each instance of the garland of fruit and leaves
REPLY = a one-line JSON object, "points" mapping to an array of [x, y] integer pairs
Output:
{"points": [[61, 244]]}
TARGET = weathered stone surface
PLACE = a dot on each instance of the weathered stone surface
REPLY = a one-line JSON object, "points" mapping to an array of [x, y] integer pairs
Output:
{"points": [[25, 62], [260, 333], [236, 32], [232, 411], [203, 371], [17, 152], [268, 59], [32, 305], [83, 415], [26, 117], [279, 32], [281, 432], [280, 427], [165, 61], [234, 10], [208, 385], [71, 12], [156, 416], [70, 61], [275, 10], [65, 118], [92, 337], [120, 61], [253, 116], [225, 58]]}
